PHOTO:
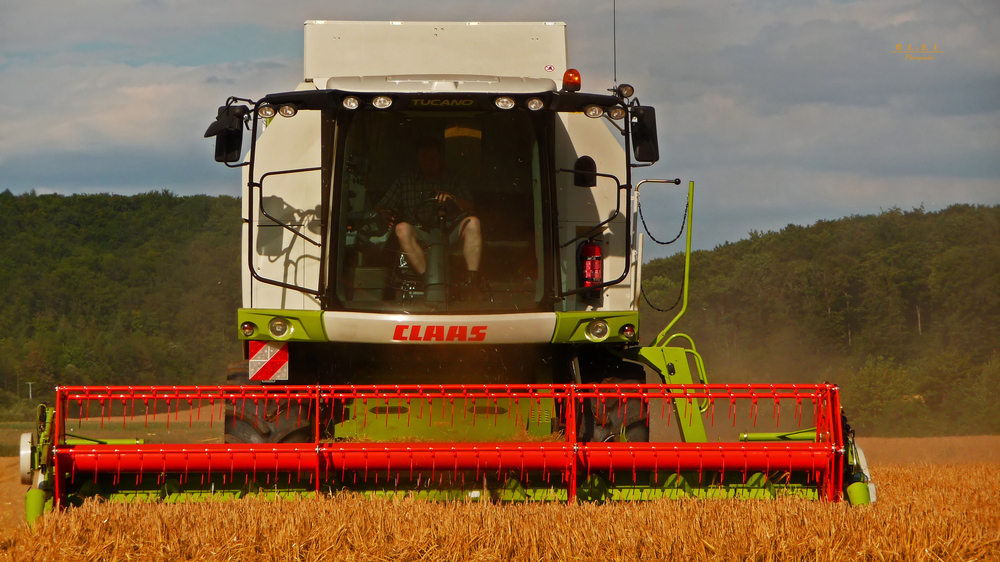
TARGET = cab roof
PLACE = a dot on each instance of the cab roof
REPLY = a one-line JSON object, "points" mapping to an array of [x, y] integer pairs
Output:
{"points": [[440, 54]]}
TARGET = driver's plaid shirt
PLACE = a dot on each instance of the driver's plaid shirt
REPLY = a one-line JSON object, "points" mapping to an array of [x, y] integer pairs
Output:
{"points": [[406, 195]]}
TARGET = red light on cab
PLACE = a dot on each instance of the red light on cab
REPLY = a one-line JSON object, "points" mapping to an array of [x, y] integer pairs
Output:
{"points": [[571, 80], [590, 262]]}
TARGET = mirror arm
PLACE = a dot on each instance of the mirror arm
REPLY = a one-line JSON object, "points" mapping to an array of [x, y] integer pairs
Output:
{"points": [[620, 128]]}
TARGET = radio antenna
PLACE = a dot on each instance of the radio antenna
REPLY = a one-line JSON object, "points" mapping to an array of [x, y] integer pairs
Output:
{"points": [[614, 38]]}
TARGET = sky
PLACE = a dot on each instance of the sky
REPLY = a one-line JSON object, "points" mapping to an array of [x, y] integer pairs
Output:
{"points": [[781, 111]]}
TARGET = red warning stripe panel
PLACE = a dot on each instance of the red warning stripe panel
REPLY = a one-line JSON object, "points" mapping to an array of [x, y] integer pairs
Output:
{"points": [[268, 361]]}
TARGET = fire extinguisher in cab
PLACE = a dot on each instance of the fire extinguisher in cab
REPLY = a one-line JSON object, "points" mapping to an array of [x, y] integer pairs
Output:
{"points": [[591, 267]]}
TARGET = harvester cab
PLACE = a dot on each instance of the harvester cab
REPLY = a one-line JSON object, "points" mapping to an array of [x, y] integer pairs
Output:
{"points": [[441, 276]]}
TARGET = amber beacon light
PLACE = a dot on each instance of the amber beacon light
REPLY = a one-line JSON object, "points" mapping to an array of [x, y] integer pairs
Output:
{"points": [[571, 80]]}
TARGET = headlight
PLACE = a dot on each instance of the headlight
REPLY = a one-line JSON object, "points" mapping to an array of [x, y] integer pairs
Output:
{"points": [[626, 90], [535, 104], [505, 102], [382, 102], [351, 102], [598, 330], [266, 111], [593, 111], [616, 112], [278, 327], [287, 111]]}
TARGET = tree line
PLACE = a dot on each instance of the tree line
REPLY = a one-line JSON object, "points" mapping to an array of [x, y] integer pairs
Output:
{"points": [[901, 309], [111, 289]]}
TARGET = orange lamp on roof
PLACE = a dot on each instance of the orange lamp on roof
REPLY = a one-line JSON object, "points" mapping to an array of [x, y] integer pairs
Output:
{"points": [[571, 80]]}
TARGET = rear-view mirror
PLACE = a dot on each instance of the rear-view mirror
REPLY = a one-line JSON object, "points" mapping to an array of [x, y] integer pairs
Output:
{"points": [[585, 172], [228, 132], [645, 146]]}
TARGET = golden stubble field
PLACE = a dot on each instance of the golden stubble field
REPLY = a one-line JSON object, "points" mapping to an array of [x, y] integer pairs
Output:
{"points": [[939, 499]]}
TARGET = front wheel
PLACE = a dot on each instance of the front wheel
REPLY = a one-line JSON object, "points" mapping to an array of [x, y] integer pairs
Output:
{"points": [[615, 420], [267, 421]]}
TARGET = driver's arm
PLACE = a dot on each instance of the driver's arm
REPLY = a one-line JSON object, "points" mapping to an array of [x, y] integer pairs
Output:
{"points": [[462, 197], [389, 203]]}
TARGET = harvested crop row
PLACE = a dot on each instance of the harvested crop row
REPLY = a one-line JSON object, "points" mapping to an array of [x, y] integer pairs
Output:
{"points": [[942, 512]]}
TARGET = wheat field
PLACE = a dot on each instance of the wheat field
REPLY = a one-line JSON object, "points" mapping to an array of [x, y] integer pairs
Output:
{"points": [[925, 512]]}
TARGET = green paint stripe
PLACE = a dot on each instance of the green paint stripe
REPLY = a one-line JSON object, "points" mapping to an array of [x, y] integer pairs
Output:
{"points": [[571, 327], [307, 325]]}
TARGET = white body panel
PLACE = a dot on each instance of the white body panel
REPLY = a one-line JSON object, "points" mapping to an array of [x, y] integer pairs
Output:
{"points": [[360, 327], [581, 208], [361, 48], [286, 144], [441, 83]]}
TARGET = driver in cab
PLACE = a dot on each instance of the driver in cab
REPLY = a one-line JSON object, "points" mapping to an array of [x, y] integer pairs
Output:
{"points": [[412, 204]]}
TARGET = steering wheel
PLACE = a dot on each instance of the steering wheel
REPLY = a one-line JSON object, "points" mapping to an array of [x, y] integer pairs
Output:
{"points": [[447, 209]]}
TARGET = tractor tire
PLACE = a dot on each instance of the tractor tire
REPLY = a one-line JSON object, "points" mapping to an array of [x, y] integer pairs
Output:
{"points": [[615, 420], [612, 419], [247, 422]]}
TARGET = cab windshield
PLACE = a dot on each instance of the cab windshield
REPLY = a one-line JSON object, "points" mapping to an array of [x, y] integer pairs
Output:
{"points": [[438, 212]]}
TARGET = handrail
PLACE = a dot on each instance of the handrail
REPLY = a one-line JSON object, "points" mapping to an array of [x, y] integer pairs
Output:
{"points": [[628, 232], [661, 338], [260, 189]]}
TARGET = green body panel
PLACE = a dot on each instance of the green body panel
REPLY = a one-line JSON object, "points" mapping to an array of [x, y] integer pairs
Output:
{"points": [[683, 485], [198, 489], [692, 351], [571, 326], [512, 487], [39, 498], [452, 421], [36, 503], [307, 325], [672, 364], [461, 486], [808, 434], [858, 494], [598, 488], [856, 477], [81, 440], [444, 494]]}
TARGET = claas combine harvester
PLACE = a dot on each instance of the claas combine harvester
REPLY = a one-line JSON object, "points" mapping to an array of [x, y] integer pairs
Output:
{"points": [[441, 275]]}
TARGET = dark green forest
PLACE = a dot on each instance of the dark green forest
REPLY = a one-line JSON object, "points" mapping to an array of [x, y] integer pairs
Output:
{"points": [[901, 309], [109, 289]]}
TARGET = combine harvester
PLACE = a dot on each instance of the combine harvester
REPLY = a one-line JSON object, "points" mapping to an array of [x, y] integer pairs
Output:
{"points": [[441, 278]]}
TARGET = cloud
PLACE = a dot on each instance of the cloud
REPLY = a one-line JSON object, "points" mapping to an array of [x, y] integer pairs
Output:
{"points": [[848, 64], [793, 112], [717, 130], [779, 53], [109, 106], [110, 78], [783, 111]]}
